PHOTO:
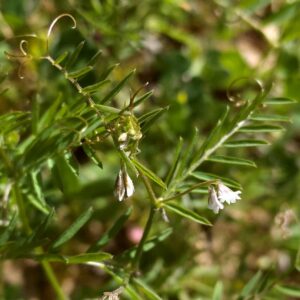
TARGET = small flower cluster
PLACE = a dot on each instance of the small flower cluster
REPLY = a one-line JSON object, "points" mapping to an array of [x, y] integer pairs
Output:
{"points": [[217, 196]]}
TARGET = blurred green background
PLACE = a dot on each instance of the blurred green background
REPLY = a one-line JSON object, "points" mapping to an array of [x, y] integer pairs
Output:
{"points": [[189, 52]]}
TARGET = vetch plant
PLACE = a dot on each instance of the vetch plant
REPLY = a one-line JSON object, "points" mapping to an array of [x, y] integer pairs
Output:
{"points": [[46, 141]]}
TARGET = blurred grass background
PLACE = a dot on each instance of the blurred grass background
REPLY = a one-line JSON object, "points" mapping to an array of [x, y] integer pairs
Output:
{"points": [[189, 52]]}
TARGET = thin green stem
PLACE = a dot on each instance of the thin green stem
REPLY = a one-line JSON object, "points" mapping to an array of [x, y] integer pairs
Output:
{"points": [[75, 83], [139, 251], [154, 204], [149, 189], [53, 280]]}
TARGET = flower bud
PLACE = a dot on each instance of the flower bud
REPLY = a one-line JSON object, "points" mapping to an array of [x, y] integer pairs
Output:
{"points": [[124, 187]]}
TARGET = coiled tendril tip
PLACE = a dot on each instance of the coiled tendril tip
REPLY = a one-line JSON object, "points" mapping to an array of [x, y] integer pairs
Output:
{"points": [[65, 15]]}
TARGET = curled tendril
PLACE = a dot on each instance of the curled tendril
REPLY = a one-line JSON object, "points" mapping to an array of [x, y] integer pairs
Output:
{"points": [[22, 46], [133, 95], [54, 23], [24, 43], [20, 70], [237, 98]]}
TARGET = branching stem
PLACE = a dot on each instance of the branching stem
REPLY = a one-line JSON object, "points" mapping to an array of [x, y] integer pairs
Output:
{"points": [[75, 83]]}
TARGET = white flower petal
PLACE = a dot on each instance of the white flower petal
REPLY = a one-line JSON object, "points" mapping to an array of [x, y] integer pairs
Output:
{"points": [[213, 202], [119, 191], [225, 194], [123, 140], [122, 137], [129, 187]]}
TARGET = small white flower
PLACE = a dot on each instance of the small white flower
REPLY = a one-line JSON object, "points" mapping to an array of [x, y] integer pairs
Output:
{"points": [[124, 187], [213, 201], [225, 194], [123, 139]]}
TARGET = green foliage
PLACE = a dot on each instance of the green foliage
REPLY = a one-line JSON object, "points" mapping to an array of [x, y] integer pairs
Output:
{"points": [[76, 118]]}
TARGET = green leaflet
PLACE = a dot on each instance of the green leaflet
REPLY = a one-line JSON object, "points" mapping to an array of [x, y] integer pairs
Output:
{"points": [[61, 57], [66, 174], [150, 118], [186, 213], [261, 128], [41, 228], [297, 262], [117, 88], [145, 171], [279, 101], [107, 236], [107, 109], [208, 176], [268, 118], [142, 98], [91, 153], [81, 72], [51, 112], [173, 170], [72, 59], [149, 244], [93, 61], [146, 290], [38, 192], [93, 88], [6, 232], [35, 114], [188, 153], [14, 120], [73, 229], [76, 259], [218, 291], [231, 160], [251, 286], [245, 143], [107, 72], [288, 290], [213, 136]]}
